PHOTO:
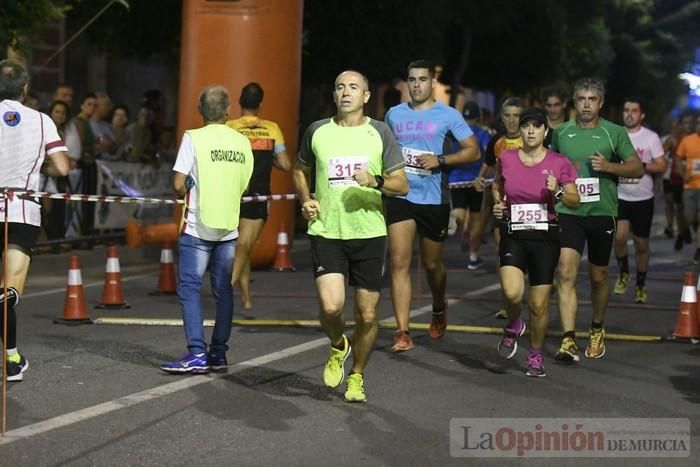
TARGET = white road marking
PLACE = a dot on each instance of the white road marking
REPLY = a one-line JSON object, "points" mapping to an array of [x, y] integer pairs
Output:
{"points": [[184, 383]]}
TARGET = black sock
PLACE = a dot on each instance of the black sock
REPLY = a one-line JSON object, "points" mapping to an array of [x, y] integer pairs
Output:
{"points": [[641, 278], [342, 345], [11, 317], [623, 264], [571, 334], [595, 325]]}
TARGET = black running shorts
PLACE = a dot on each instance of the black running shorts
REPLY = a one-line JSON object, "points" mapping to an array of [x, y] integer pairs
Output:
{"points": [[22, 236], [431, 219], [467, 198], [534, 253], [639, 214], [363, 260], [254, 210], [598, 232]]}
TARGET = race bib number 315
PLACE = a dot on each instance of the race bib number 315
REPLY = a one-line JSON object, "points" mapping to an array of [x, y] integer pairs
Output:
{"points": [[588, 189], [341, 170]]}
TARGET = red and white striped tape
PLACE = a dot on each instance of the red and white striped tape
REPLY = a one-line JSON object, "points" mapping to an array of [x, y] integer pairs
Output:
{"points": [[28, 194], [488, 181]]}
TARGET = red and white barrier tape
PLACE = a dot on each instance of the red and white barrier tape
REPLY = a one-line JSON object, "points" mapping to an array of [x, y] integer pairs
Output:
{"points": [[488, 181], [28, 194]]}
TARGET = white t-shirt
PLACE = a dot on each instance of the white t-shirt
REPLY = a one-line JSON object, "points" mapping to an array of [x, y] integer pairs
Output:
{"points": [[648, 146], [26, 137], [185, 164]]}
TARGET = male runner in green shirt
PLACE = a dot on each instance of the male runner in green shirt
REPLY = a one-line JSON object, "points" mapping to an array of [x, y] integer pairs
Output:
{"points": [[601, 151], [355, 160]]}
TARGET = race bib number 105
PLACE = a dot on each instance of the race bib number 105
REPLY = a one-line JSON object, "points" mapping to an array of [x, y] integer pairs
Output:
{"points": [[588, 189], [341, 170]]}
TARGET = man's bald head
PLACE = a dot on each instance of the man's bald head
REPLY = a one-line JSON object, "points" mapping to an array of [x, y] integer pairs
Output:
{"points": [[354, 73]]}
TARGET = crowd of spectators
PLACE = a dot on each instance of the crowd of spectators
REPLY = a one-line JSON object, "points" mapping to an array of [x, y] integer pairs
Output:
{"points": [[93, 128]]}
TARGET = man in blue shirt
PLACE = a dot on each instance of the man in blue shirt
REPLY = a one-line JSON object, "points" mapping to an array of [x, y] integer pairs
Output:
{"points": [[466, 200], [422, 127]]}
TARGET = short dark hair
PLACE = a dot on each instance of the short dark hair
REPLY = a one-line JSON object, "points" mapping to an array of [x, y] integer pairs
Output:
{"points": [[636, 100], [86, 96], [214, 103], [513, 102], [55, 104], [251, 96], [119, 107], [13, 78], [555, 91], [421, 63]]}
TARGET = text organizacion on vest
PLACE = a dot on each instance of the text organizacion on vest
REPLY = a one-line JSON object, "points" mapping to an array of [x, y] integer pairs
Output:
{"points": [[227, 155]]}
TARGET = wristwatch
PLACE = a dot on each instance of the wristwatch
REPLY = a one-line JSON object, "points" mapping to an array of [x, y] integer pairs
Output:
{"points": [[380, 182], [441, 160], [559, 194]]}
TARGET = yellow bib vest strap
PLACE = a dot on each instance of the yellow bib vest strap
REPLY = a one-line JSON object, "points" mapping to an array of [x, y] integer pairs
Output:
{"points": [[224, 165]]}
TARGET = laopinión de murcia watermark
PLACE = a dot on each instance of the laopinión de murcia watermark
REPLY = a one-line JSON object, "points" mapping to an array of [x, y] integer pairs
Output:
{"points": [[570, 437]]}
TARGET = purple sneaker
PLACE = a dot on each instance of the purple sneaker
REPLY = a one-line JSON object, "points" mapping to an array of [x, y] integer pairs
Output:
{"points": [[508, 344], [190, 363], [535, 368]]}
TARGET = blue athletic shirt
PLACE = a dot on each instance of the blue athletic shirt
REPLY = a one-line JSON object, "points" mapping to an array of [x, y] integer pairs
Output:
{"points": [[426, 131], [468, 172]]}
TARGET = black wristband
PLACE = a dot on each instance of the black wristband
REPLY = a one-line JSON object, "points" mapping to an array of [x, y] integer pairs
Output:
{"points": [[380, 182]]}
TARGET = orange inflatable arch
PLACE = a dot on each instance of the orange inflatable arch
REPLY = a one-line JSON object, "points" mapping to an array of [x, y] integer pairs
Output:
{"points": [[232, 44]]}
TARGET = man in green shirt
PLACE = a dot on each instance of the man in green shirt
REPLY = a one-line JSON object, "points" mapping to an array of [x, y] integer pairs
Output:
{"points": [[601, 152], [355, 160]]}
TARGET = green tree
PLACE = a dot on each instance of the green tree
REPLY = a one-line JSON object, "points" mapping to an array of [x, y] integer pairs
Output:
{"points": [[21, 21], [146, 29]]}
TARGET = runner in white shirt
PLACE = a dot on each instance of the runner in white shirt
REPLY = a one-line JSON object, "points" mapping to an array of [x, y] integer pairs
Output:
{"points": [[636, 200], [26, 137]]}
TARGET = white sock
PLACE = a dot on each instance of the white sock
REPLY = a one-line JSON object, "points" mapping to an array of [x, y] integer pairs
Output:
{"points": [[473, 257], [12, 352]]}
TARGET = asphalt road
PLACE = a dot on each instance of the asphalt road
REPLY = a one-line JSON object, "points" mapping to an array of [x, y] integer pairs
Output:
{"points": [[94, 394]]}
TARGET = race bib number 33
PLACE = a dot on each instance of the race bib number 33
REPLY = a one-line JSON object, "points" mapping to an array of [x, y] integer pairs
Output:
{"points": [[341, 170], [413, 165], [588, 189]]}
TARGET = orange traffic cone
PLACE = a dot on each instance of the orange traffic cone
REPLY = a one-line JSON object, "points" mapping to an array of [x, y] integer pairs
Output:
{"points": [[167, 284], [112, 293], [687, 326], [283, 260], [74, 308]]}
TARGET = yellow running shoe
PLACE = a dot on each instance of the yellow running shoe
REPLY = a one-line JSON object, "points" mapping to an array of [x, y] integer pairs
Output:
{"points": [[621, 283], [596, 343], [640, 294], [568, 352], [502, 314], [334, 371], [356, 389]]}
